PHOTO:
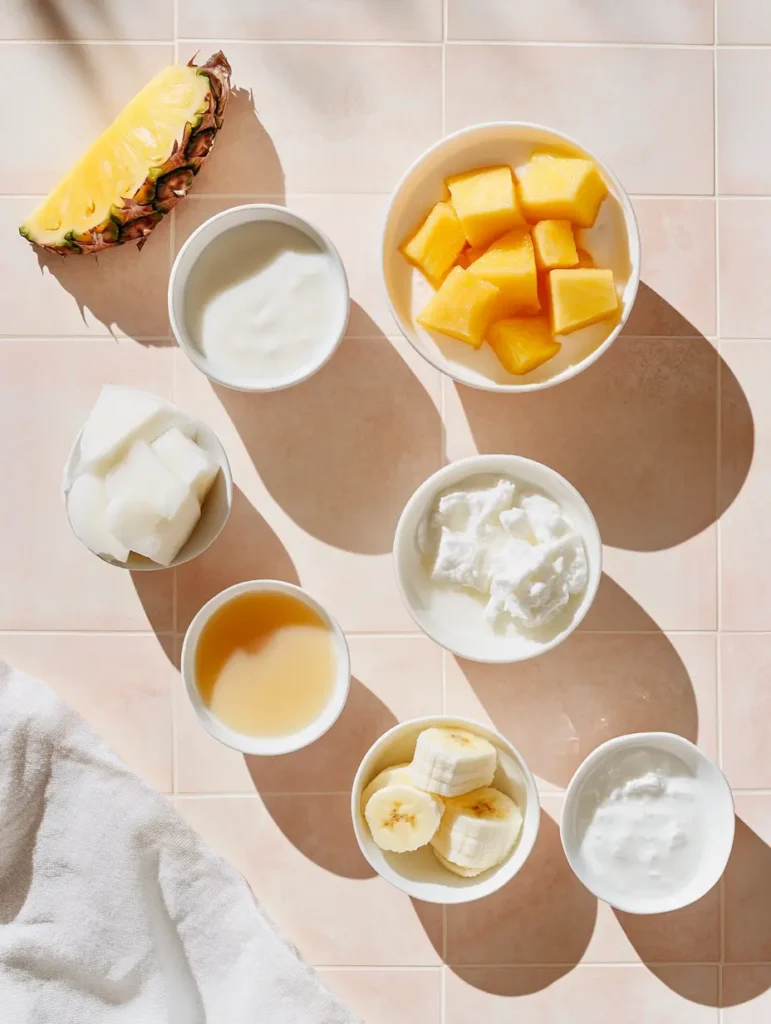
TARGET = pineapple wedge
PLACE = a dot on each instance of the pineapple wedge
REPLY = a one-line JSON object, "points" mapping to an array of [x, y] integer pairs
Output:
{"points": [[140, 167], [436, 244], [462, 308], [509, 264], [486, 203], [522, 343]]}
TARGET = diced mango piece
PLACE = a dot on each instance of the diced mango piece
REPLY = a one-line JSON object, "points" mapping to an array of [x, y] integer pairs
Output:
{"points": [[523, 342], [580, 298], [436, 244], [554, 244], [584, 259], [509, 264], [486, 202], [462, 307], [561, 188]]}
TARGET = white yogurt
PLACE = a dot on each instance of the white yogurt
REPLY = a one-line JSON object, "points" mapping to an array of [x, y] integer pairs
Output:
{"points": [[263, 303], [642, 823]]}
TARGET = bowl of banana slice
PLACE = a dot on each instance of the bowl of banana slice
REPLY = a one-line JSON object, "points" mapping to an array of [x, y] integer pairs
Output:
{"points": [[445, 809]]}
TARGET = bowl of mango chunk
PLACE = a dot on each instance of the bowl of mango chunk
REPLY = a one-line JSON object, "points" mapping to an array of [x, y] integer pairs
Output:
{"points": [[511, 257]]}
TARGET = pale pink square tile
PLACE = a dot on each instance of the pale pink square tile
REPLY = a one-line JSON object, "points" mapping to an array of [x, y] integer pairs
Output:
{"points": [[382, 997], [354, 20], [353, 223], [745, 661], [678, 291], [744, 251], [300, 857], [322, 507], [743, 153], [557, 708], [746, 449], [84, 19], [743, 21], [600, 21], [120, 684], [586, 995], [615, 101], [51, 581], [42, 137], [747, 893], [392, 679], [122, 291], [328, 118], [634, 432], [747, 994]]}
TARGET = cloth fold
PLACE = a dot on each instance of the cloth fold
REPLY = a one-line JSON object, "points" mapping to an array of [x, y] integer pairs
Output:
{"points": [[112, 909]]}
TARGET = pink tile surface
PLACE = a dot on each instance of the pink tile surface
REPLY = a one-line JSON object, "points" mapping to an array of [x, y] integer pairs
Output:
{"points": [[599, 21], [666, 436]]}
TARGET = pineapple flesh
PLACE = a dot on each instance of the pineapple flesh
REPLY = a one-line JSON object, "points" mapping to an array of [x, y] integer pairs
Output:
{"points": [[140, 167]]}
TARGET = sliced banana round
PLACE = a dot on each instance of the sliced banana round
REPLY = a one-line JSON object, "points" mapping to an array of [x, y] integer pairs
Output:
{"points": [[452, 761], [456, 868], [396, 775], [402, 818], [478, 829]]}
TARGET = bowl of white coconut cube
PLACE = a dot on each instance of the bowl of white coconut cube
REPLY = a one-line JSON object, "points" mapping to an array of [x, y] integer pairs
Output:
{"points": [[445, 809], [146, 486]]}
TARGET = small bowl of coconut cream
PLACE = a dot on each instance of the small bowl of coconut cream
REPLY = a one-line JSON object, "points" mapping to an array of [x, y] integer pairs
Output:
{"points": [[498, 558], [258, 298], [648, 823]]}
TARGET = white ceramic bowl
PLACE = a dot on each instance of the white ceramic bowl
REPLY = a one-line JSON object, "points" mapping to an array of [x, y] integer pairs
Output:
{"points": [[420, 874], [215, 510], [266, 745], [454, 617], [613, 242], [190, 253], [719, 820]]}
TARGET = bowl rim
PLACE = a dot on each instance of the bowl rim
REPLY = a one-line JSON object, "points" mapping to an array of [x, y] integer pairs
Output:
{"points": [[257, 745], [217, 223], [633, 232], [441, 720], [475, 465], [146, 565], [595, 757]]}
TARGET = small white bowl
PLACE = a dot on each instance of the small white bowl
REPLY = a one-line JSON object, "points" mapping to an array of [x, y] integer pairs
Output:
{"points": [[453, 617], [613, 242], [215, 510], [420, 874], [191, 252], [266, 745], [720, 822]]}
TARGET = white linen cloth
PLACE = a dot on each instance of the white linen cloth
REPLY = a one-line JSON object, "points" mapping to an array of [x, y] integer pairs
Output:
{"points": [[112, 910]]}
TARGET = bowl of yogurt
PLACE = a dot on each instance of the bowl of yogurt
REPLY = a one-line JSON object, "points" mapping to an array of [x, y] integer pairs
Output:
{"points": [[648, 823], [258, 298], [498, 558]]}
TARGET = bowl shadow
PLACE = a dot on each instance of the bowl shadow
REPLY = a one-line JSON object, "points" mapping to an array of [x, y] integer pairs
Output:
{"points": [[636, 433], [343, 451]]}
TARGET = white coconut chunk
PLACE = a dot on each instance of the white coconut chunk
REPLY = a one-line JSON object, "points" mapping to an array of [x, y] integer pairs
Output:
{"points": [[187, 460], [120, 417], [87, 509]]}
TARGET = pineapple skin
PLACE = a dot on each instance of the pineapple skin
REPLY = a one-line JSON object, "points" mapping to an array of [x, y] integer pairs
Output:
{"points": [[166, 184]]}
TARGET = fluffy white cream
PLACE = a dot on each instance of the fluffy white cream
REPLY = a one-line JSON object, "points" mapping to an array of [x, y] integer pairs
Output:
{"points": [[521, 551]]}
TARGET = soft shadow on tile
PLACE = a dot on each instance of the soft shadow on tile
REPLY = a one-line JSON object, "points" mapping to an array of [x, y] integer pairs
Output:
{"points": [[636, 433], [343, 451], [544, 915], [331, 762], [690, 935], [557, 708]]}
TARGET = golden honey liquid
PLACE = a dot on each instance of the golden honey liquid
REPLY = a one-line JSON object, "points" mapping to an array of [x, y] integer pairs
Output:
{"points": [[266, 664]]}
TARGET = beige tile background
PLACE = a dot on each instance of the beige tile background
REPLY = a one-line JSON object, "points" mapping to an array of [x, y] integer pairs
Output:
{"points": [[669, 437]]}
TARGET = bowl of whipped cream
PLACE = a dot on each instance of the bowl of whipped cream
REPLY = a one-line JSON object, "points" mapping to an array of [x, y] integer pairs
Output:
{"points": [[498, 558]]}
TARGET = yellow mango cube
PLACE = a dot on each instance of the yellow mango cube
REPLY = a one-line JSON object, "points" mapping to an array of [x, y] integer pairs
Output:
{"points": [[554, 244], [462, 307], [486, 203], [581, 297], [561, 188], [509, 264], [436, 244], [522, 343]]}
